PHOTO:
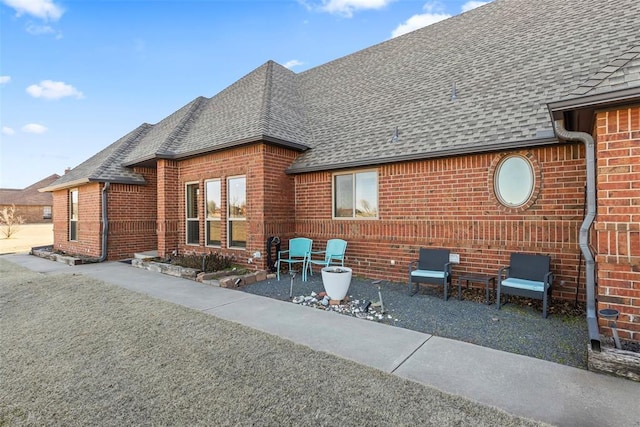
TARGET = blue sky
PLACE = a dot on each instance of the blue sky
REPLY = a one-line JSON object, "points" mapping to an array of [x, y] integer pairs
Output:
{"points": [[75, 76]]}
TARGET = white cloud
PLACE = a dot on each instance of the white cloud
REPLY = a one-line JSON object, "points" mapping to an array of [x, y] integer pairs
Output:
{"points": [[39, 30], [4, 79], [43, 9], [418, 21], [433, 13], [472, 5], [293, 63], [49, 89], [34, 128], [7, 130], [345, 8]]}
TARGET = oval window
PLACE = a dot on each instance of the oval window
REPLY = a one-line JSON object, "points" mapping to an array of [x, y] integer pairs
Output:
{"points": [[514, 181]]}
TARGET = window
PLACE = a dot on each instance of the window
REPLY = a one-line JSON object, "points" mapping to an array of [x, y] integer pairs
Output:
{"points": [[46, 212], [355, 195], [73, 215], [237, 216], [213, 210], [514, 181], [193, 223]]}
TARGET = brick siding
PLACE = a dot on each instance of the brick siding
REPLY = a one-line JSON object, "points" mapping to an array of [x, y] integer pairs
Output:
{"points": [[449, 202], [270, 198], [89, 221], [31, 214], [618, 217], [131, 212]]}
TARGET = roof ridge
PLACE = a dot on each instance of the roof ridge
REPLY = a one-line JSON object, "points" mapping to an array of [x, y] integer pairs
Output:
{"points": [[119, 152], [182, 128], [265, 109], [607, 71]]}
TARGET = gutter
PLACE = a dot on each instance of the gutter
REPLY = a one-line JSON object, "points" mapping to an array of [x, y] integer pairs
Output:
{"points": [[220, 147], [105, 222], [64, 185], [468, 149], [587, 139]]}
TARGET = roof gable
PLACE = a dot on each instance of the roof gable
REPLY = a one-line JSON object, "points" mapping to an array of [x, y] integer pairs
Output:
{"points": [[623, 72], [105, 165], [263, 104], [161, 137]]}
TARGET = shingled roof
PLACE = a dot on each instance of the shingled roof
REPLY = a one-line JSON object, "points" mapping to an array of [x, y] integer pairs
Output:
{"points": [[507, 60], [29, 196]]}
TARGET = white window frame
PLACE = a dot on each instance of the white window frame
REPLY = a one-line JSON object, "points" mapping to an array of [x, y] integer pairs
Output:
{"points": [[47, 212], [208, 218], [499, 193], [354, 174], [189, 219], [73, 222], [230, 218]]}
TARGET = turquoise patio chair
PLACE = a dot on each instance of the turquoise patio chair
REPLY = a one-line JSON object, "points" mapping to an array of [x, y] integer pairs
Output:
{"points": [[298, 252], [332, 255]]}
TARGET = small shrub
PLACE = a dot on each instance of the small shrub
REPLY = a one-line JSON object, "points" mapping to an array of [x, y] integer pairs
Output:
{"points": [[10, 221], [212, 261]]}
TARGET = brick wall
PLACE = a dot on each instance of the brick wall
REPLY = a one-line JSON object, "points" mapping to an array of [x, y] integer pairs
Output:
{"points": [[132, 212], [270, 198], [89, 221], [30, 213], [168, 196], [618, 218], [450, 203]]}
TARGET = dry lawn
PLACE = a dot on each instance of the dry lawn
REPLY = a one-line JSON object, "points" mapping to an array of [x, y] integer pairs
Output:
{"points": [[76, 351], [27, 237]]}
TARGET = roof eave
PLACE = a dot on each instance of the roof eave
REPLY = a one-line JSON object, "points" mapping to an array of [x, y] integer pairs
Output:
{"points": [[221, 147], [64, 185], [82, 181], [599, 100], [425, 156], [141, 160]]}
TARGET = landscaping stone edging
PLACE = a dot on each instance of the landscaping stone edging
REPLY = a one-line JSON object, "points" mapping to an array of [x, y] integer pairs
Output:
{"points": [[620, 363], [218, 278], [47, 253]]}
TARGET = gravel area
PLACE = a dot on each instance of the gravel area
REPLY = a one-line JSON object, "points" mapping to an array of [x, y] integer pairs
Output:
{"points": [[516, 328], [76, 351]]}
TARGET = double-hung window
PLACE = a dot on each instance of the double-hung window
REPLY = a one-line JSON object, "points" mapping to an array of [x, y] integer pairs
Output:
{"points": [[237, 211], [213, 210], [193, 222], [355, 195], [73, 214]]}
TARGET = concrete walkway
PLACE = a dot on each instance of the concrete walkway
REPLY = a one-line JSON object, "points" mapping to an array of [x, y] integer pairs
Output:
{"points": [[520, 385]]}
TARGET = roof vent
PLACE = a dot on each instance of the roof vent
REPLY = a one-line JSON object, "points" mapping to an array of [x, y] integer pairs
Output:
{"points": [[394, 137], [454, 95]]}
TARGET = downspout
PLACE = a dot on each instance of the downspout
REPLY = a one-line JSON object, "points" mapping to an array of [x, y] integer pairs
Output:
{"points": [[587, 139], [105, 222]]}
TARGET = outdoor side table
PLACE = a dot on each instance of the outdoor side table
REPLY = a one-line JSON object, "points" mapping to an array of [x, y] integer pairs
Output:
{"points": [[477, 277]]}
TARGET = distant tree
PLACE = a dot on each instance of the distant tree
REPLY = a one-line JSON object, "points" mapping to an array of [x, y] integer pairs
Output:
{"points": [[10, 221]]}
